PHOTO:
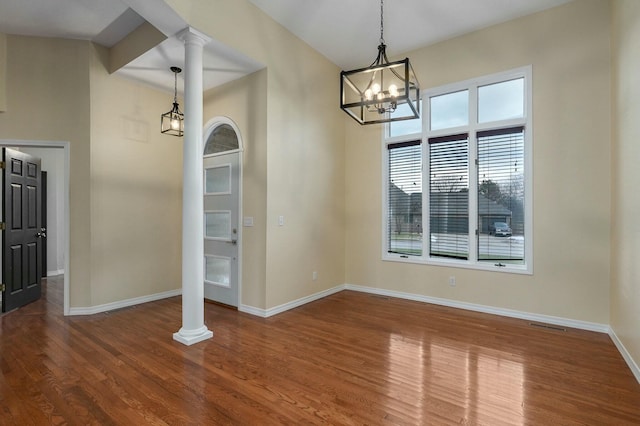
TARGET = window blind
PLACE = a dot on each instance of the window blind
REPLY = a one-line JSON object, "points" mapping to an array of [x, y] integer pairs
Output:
{"points": [[449, 196], [501, 195], [404, 221]]}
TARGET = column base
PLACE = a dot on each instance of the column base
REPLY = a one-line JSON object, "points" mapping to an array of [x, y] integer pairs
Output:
{"points": [[190, 337]]}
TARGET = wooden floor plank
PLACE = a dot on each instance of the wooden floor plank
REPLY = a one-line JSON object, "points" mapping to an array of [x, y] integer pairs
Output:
{"points": [[348, 359]]}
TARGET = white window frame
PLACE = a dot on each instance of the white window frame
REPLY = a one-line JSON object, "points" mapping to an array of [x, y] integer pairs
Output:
{"points": [[472, 129]]}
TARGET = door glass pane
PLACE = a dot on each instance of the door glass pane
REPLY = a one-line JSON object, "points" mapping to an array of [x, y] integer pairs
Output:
{"points": [[501, 101], [217, 180], [217, 270], [449, 110], [217, 225]]}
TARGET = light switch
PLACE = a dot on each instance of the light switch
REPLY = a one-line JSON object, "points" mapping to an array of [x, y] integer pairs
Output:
{"points": [[248, 221], [281, 220]]}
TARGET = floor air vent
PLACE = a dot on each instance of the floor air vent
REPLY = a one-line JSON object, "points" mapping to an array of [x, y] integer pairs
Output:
{"points": [[379, 296], [550, 327]]}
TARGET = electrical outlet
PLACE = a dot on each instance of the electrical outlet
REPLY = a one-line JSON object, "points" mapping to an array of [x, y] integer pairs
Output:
{"points": [[314, 275], [452, 281]]}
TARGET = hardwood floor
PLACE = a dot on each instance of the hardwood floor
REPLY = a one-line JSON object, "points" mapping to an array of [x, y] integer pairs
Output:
{"points": [[350, 358]]}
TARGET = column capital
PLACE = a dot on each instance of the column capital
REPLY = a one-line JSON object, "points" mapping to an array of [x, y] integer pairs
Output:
{"points": [[191, 35]]}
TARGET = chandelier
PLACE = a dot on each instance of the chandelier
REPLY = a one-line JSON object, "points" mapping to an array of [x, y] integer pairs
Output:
{"points": [[172, 122], [384, 91]]}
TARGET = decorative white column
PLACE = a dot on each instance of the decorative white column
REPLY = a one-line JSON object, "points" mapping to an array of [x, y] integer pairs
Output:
{"points": [[193, 328]]}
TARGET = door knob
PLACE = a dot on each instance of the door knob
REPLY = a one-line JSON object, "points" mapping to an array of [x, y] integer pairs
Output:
{"points": [[234, 242]]}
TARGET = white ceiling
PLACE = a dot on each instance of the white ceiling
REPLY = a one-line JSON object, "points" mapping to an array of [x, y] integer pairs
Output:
{"points": [[76, 19], [345, 31], [348, 31]]}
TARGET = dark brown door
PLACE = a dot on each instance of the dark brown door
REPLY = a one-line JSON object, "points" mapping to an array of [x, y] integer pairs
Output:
{"points": [[43, 220], [22, 235]]}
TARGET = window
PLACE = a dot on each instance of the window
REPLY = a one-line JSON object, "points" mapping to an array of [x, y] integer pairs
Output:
{"points": [[222, 139], [472, 155], [404, 127], [449, 110], [501, 200], [501, 101], [449, 196], [405, 199]]}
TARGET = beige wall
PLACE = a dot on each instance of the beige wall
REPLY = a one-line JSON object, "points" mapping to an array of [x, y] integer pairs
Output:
{"points": [[137, 43], [48, 99], [569, 50], [625, 227], [3, 72], [125, 178], [244, 102], [304, 148], [306, 174], [136, 189]]}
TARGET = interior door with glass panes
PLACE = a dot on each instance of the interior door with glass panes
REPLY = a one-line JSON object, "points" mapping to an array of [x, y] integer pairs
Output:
{"points": [[221, 204]]}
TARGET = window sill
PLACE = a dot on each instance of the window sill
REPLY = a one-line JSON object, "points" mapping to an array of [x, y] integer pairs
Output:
{"points": [[463, 264]]}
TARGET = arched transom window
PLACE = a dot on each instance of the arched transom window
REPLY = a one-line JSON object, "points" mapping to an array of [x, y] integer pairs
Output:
{"points": [[222, 139]]}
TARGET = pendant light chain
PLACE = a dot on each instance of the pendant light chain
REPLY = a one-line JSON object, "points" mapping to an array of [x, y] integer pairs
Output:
{"points": [[175, 87], [381, 21]]}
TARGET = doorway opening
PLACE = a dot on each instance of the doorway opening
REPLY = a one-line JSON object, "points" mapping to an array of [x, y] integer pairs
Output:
{"points": [[222, 165], [56, 160]]}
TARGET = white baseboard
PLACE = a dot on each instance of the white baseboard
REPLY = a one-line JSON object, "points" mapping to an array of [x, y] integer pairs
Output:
{"points": [[548, 319], [91, 310], [625, 354], [266, 313], [566, 322], [54, 273], [248, 309]]}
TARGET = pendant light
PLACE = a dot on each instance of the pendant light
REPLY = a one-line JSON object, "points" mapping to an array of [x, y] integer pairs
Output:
{"points": [[384, 91], [172, 122]]}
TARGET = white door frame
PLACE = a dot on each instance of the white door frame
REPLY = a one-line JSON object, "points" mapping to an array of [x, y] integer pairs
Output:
{"points": [[65, 188], [209, 127]]}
